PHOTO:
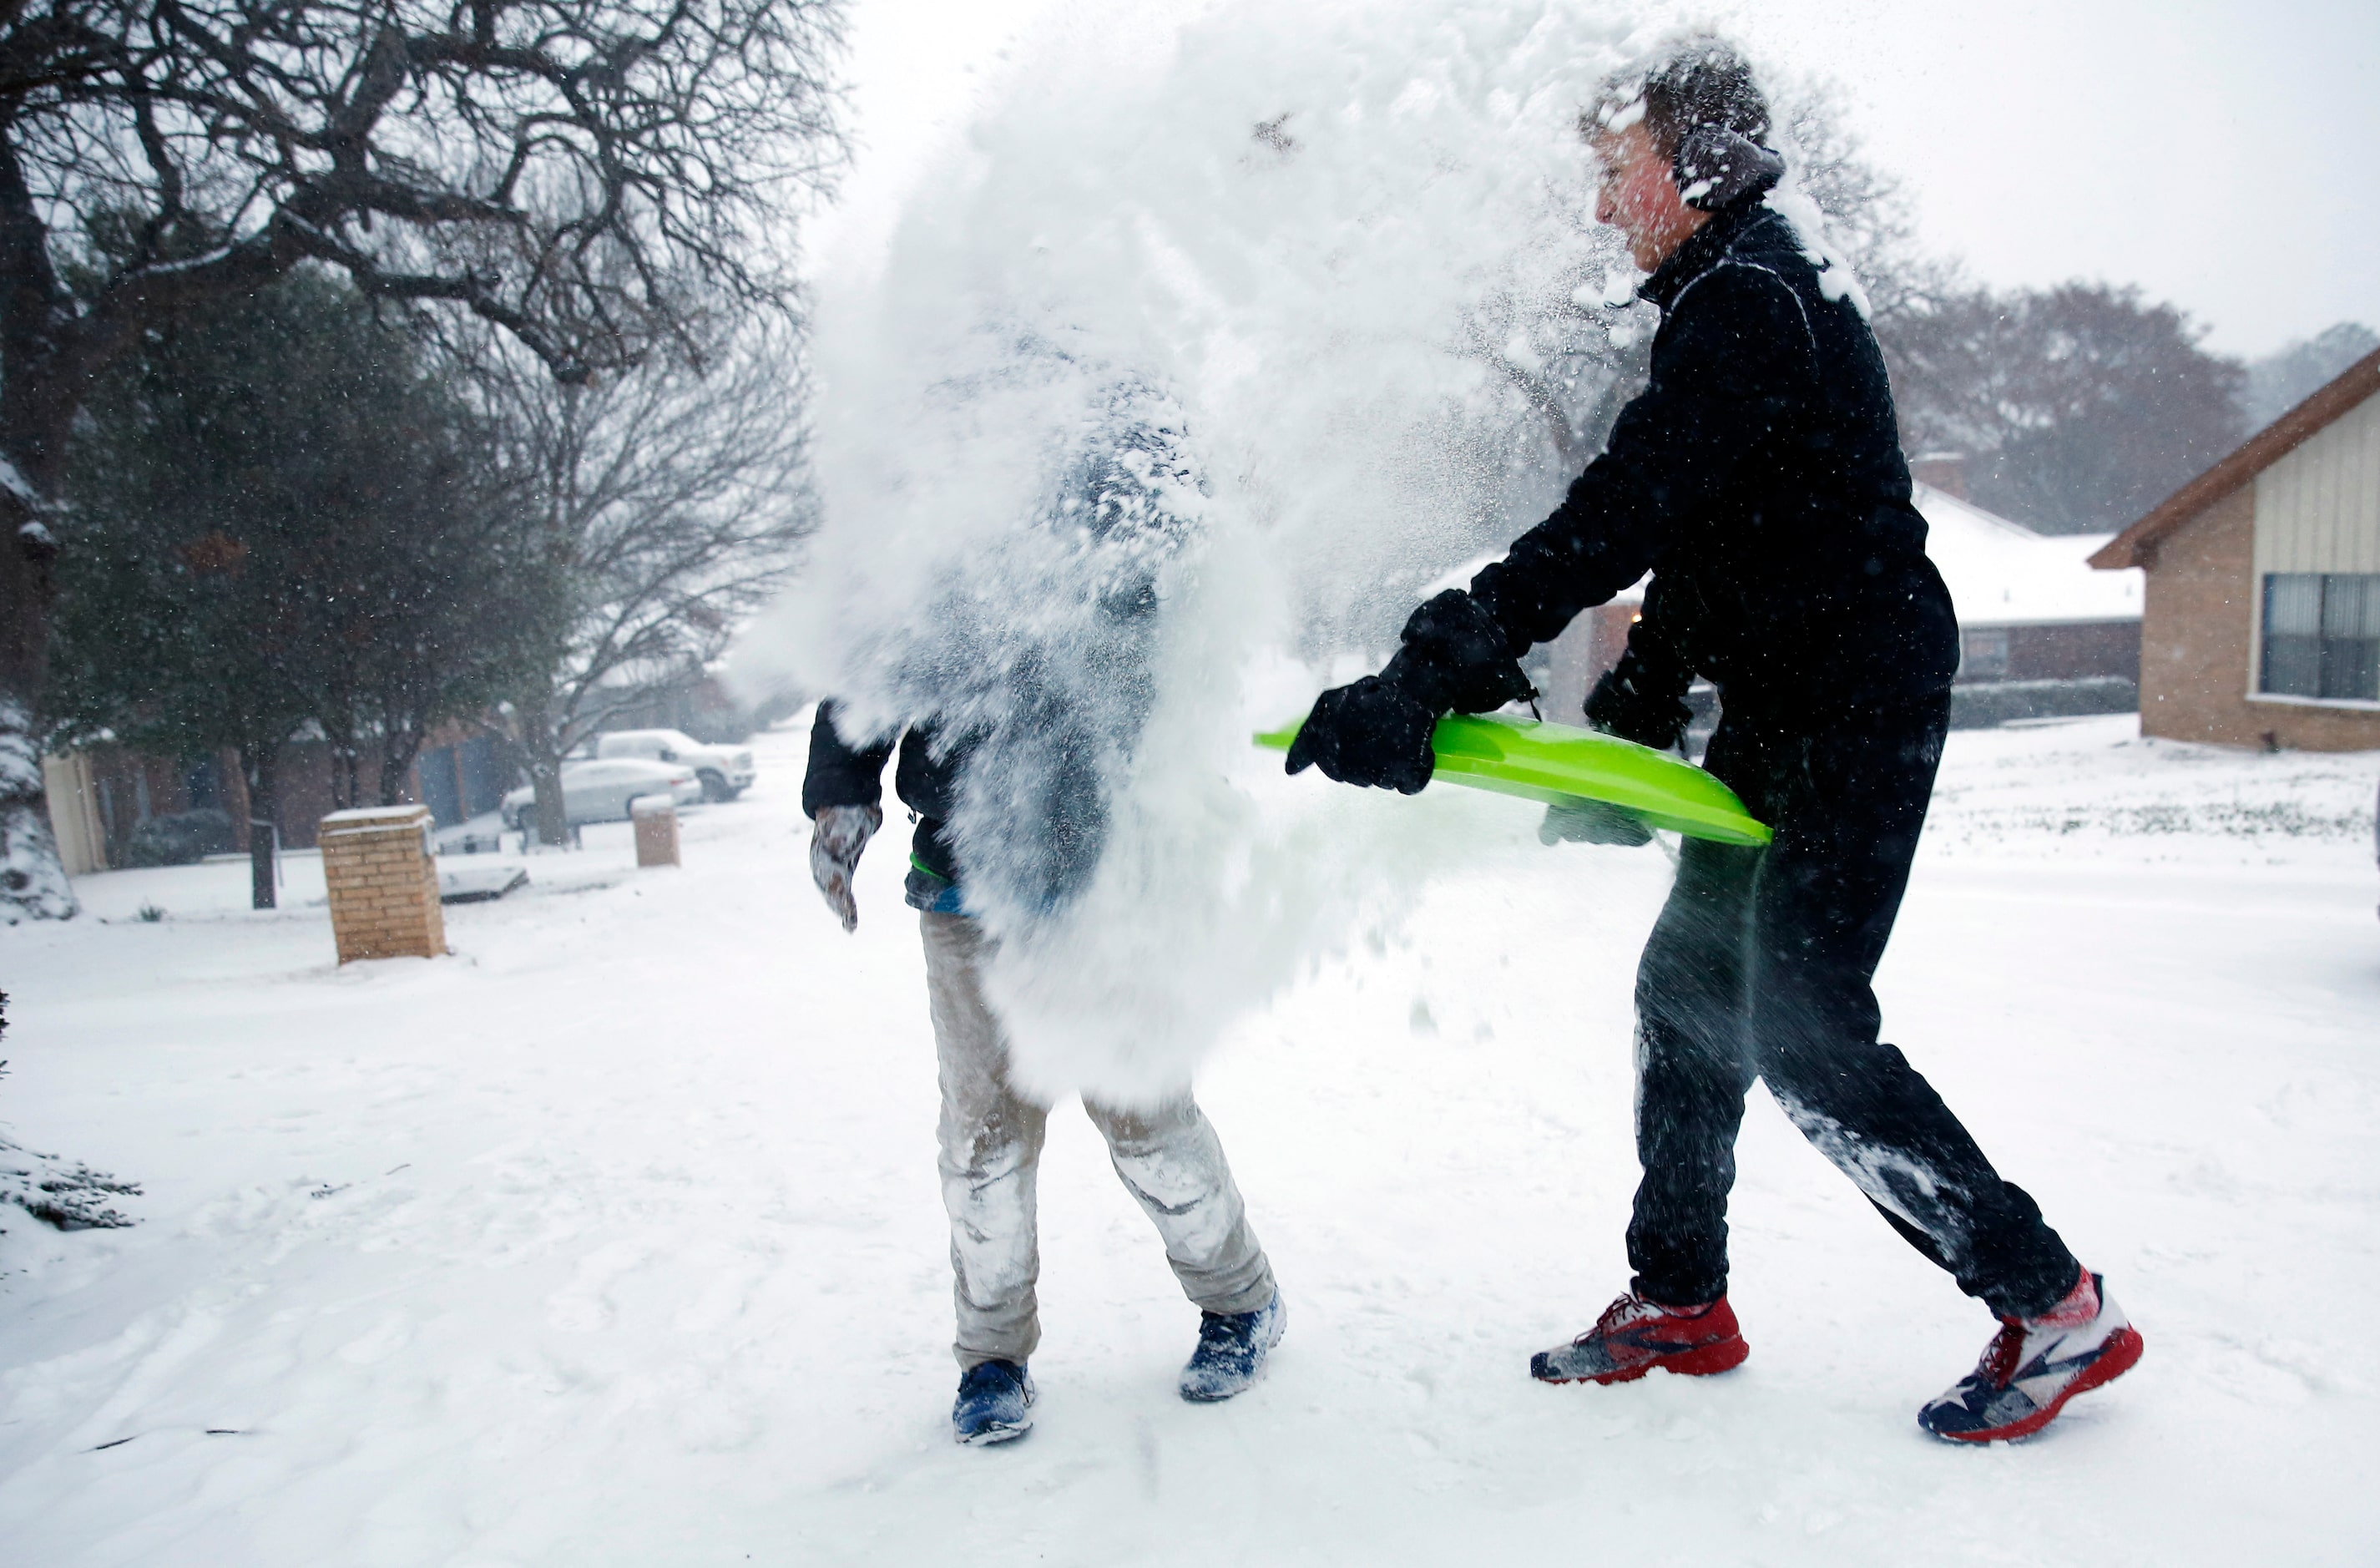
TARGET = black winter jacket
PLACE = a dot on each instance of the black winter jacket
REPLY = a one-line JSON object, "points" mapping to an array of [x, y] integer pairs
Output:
{"points": [[844, 774], [1759, 478]]}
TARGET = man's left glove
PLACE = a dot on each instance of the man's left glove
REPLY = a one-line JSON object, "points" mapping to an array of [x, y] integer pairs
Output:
{"points": [[838, 835], [1375, 732]]}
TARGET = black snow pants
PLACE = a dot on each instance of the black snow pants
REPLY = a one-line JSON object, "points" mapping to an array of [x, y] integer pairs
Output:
{"points": [[1759, 966]]}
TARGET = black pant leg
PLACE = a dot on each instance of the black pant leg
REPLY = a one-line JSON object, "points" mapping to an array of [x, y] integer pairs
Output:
{"points": [[1693, 1067], [1848, 803]]}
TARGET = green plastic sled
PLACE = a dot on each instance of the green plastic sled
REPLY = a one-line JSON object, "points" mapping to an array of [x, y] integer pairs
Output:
{"points": [[1558, 762]]}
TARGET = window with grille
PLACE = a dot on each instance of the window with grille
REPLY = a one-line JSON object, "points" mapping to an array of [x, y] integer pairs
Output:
{"points": [[2322, 635]]}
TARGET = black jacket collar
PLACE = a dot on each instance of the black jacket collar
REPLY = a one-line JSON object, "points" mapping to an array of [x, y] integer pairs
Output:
{"points": [[1703, 248]]}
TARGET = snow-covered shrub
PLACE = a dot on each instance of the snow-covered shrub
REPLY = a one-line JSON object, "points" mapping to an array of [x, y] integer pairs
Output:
{"points": [[62, 1193], [70, 1195]]}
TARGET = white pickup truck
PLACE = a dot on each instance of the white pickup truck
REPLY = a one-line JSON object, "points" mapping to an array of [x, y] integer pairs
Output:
{"points": [[725, 770]]}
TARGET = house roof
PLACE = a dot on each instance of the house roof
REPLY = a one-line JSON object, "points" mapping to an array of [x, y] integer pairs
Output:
{"points": [[2136, 546], [2003, 574]]}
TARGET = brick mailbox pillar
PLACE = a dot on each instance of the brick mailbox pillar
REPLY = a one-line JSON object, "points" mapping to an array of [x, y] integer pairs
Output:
{"points": [[383, 884], [656, 820]]}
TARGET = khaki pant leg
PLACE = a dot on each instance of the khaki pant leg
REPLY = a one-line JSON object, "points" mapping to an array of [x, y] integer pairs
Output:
{"points": [[991, 1150], [1171, 1162]]}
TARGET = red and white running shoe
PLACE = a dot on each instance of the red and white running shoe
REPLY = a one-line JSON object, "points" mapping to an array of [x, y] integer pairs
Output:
{"points": [[2035, 1365], [1634, 1336]]}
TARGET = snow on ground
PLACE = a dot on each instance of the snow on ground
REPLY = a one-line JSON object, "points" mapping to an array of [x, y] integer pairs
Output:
{"points": [[615, 1237]]}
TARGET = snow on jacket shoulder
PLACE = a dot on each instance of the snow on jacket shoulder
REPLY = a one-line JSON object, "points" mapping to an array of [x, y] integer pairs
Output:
{"points": [[1759, 478]]}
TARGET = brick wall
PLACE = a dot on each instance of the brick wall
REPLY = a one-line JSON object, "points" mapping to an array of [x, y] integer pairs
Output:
{"points": [[2197, 645], [382, 883], [2074, 650]]}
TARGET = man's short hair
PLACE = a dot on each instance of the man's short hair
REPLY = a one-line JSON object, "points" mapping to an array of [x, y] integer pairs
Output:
{"points": [[1697, 81]]}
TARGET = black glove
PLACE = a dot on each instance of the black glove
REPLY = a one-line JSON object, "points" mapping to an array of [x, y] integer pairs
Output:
{"points": [[1371, 732], [1621, 704], [1592, 821], [1455, 658]]}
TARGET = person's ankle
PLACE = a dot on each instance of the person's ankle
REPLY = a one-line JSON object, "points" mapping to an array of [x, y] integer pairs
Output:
{"points": [[1677, 1311], [2077, 1308]]}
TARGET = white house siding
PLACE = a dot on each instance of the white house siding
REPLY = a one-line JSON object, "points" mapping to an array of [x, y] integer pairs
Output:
{"points": [[2319, 509]]}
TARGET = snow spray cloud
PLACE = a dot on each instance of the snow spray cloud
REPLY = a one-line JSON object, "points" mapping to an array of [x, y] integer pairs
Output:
{"points": [[1217, 341]]}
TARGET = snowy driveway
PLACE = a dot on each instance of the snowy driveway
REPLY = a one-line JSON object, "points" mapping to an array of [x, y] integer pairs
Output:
{"points": [[615, 1239]]}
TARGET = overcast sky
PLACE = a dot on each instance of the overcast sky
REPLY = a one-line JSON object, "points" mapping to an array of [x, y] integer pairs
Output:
{"points": [[2223, 155]]}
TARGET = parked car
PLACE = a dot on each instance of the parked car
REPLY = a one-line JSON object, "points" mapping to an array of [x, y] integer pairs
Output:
{"points": [[599, 790], [725, 770]]}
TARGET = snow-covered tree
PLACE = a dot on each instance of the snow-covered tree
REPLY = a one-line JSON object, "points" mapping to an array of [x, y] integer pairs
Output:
{"points": [[587, 176]]}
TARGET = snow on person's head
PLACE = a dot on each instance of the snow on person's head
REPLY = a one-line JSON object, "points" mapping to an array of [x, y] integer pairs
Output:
{"points": [[1698, 101], [1311, 300]]}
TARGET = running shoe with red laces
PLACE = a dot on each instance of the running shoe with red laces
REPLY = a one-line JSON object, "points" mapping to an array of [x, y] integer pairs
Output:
{"points": [[2035, 1365], [1634, 1336]]}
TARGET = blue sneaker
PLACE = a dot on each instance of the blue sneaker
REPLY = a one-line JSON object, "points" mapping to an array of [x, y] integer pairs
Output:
{"points": [[1232, 1351], [991, 1404]]}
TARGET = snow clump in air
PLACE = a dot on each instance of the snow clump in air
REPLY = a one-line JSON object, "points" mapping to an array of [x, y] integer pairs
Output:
{"points": [[1208, 347]]}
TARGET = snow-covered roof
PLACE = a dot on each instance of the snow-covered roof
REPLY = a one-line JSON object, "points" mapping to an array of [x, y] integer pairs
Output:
{"points": [[2004, 574]]}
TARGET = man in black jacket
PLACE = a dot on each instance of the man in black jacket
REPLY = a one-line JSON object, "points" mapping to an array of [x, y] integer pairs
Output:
{"points": [[1759, 479]]}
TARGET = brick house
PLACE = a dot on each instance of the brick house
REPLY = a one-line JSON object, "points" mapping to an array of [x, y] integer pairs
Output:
{"points": [[2028, 606], [99, 797], [2263, 616]]}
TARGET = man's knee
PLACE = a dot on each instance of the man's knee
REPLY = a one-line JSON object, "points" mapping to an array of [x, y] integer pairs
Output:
{"points": [[1130, 1131], [1846, 1074]]}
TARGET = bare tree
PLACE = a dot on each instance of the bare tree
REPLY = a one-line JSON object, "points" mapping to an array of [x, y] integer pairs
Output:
{"points": [[1867, 212], [588, 175], [673, 499], [2288, 376], [2077, 407]]}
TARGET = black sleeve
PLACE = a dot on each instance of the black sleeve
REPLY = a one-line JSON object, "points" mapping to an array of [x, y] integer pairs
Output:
{"points": [[1643, 698], [839, 773], [1736, 360]]}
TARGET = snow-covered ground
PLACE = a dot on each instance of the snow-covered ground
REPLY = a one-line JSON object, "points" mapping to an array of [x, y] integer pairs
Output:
{"points": [[615, 1238]]}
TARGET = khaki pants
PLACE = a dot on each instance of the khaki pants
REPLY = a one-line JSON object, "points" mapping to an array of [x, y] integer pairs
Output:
{"points": [[1169, 1158]]}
